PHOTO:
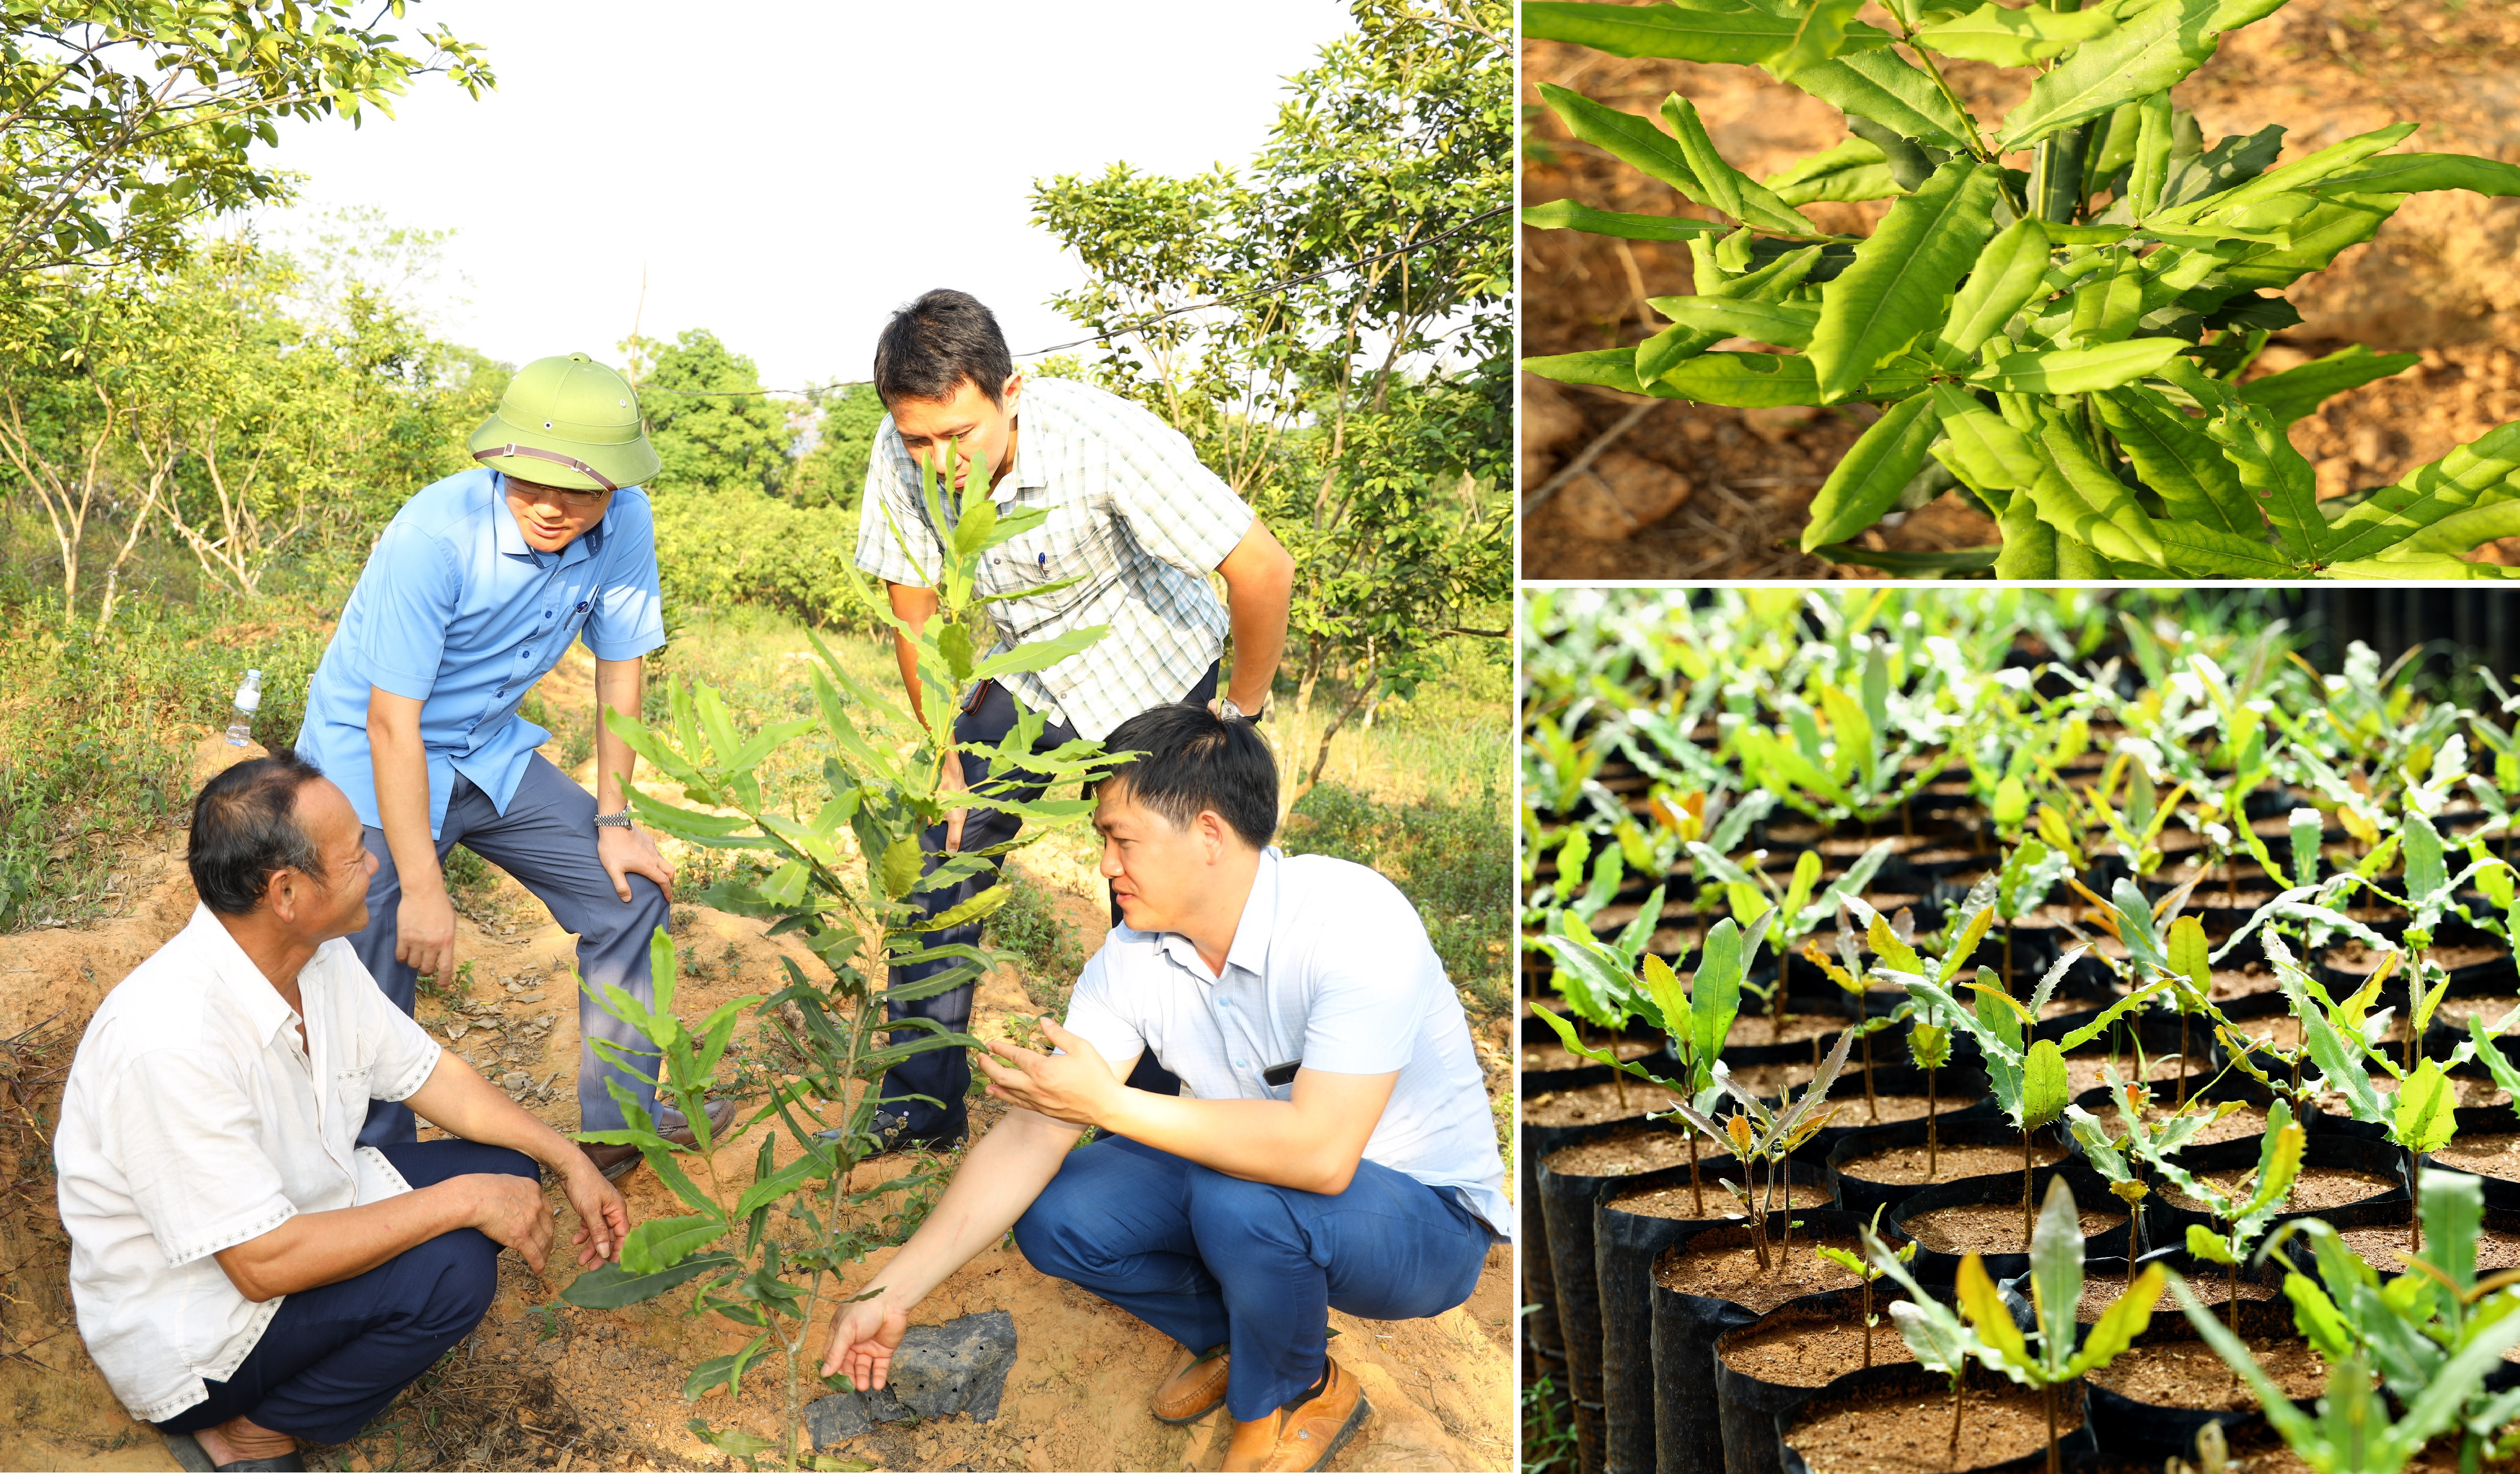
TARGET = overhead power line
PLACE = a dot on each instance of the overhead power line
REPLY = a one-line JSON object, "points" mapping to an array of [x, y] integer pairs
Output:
{"points": [[1142, 323]]}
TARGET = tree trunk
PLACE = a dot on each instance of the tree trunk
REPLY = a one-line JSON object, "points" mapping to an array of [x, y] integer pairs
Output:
{"points": [[1930, 1125], [1696, 1190], [1870, 1103]]}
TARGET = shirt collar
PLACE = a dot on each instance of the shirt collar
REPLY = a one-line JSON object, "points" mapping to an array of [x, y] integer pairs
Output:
{"points": [[1021, 476], [512, 539], [1251, 931], [232, 970]]}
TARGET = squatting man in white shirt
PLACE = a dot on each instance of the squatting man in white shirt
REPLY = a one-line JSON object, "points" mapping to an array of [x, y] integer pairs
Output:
{"points": [[1332, 1146], [245, 1274]]}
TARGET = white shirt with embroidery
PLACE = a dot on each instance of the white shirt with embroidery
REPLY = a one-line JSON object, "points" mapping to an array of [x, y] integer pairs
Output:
{"points": [[192, 1122]]}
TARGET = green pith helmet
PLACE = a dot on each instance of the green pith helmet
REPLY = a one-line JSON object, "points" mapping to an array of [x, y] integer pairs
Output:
{"points": [[568, 422]]}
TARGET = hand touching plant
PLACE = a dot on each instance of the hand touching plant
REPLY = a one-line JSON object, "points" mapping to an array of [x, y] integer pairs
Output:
{"points": [[2066, 343]]}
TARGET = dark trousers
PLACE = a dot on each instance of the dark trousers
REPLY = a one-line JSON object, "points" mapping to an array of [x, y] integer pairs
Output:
{"points": [[333, 1357], [944, 1075], [1211, 1260], [546, 839]]}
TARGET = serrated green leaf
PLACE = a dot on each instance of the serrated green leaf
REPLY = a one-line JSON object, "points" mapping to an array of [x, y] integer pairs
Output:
{"points": [[2044, 1084], [2299, 392], [2207, 1245], [2423, 1121], [2275, 477], [2419, 173], [609, 1287], [1707, 30], [658, 1244], [2077, 371], [1987, 1316], [2177, 459], [1633, 139], [2235, 205], [1980, 446], [2480, 470], [1875, 469], [1893, 952], [1569, 214], [2151, 52], [2010, 37], [1786, 324], [2126, 1318], [2149, 165], [2078, 497], [1894, 290], [2006, 276], [1881, 88], [1606, 368]]}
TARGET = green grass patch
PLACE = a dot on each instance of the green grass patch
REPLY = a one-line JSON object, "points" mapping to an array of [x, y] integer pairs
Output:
{"points": [[1453, 859]]}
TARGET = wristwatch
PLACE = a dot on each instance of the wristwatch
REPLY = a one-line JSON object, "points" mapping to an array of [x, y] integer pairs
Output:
{"points": [[619, 820], [1226, 709]]}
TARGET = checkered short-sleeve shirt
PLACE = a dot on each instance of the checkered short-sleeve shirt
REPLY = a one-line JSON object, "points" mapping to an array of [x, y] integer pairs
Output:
{"points": [[1133, 516]]}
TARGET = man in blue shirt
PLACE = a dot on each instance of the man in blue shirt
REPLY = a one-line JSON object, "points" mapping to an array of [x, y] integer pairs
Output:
{"points": [[471, 594]]}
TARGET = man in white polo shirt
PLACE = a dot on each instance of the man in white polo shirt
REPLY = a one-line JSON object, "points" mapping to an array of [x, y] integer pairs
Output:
{"points": [[1331, 1145], [246, 1273]]}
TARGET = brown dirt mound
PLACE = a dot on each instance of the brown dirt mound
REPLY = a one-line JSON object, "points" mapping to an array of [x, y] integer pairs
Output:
{"points": [[543, 1385], [2437, 280]]}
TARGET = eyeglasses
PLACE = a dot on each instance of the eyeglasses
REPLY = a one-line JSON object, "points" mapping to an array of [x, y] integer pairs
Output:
{"points": [[578, 502]]}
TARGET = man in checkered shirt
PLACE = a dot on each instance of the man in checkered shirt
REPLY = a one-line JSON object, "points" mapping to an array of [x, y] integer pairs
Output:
{"points": [[1134, 519]]}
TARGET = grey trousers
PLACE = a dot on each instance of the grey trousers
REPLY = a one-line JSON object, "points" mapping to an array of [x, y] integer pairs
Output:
{"points": [[546, 839]]}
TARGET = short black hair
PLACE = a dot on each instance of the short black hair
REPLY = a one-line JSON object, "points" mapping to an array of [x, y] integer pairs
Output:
{"points": [[1195, 760], [936, 342], [245, 826]]}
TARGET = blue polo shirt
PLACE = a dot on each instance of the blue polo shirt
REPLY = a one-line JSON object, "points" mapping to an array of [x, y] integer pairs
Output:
{"points": [[457, 613]]}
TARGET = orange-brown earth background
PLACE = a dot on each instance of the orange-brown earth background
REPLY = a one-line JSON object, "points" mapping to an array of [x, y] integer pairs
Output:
{"points": [[572, 1389], [2442, 278]]}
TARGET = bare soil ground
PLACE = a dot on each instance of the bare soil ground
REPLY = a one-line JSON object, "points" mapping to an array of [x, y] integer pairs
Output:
{"points": [[545, 1384], [2438, 280]]}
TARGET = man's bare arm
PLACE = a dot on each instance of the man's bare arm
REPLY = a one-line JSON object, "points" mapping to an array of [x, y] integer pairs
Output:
{"points": [[1259, 587], [999, 1178], [1312, 1142], [424, 918]]}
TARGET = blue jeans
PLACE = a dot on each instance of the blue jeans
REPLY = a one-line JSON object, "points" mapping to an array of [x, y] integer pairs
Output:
{"points": [[546, 839], [942, 1076], [333, 1357], [1211, 1260]]}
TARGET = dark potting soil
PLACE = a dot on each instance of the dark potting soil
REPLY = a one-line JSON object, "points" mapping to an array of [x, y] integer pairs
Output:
{"points": [[1721, 1265], [1847, 1095], [2357, 961], [2248, 1121], [1911, 1432], [2453, 1013], [1906, 1165], [1678, 1202], [2102, 1288], [1621, 1154], [1773, 1080], [1560, 1057], [1791, 1029], [2467, 1091], [1587, 1104], [2245, 981], [2316, 1188], [1992, 1228], [2187, 1373], [2494, 1156], [1815, 1352], [2283, 1031], [2385, 1248], [2089, 1072]]}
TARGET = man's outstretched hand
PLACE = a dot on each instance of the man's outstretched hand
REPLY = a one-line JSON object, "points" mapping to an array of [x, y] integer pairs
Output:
{"points": [[863, 1340], [1076, 1086]]}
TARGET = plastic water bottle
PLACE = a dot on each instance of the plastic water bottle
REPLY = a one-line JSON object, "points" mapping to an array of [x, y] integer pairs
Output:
{"points": [[249, 696]]}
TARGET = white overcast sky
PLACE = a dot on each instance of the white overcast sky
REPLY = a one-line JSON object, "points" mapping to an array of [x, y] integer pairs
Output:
{"points": [[784, 173]]}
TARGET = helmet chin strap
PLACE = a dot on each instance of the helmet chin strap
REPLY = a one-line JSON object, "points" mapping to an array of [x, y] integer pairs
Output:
{"points": [[537, 453]]}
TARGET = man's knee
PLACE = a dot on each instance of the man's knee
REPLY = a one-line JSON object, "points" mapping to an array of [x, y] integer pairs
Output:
{"points": [[455, 1275], [1225, 1210], [637, 920], [1067, 1233]]}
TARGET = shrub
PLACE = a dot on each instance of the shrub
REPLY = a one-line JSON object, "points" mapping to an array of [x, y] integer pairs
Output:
{"points": [[2064, 344]]}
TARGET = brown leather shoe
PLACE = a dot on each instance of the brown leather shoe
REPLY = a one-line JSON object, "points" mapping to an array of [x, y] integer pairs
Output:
{"points": [[1305, 1437], [618, 1162], [1194, 1389]]}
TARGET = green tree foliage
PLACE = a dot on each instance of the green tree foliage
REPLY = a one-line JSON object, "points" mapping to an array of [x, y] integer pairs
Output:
{"points": [[1366, 415], [834, 473], [2068, 341], [712, 425], [124, 122]]}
